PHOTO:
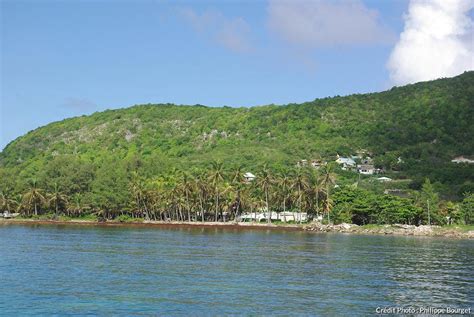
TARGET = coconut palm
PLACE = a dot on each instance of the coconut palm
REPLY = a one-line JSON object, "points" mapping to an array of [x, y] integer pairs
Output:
{"points": [[216, 178], [264, 182], [75, 206], [33, 198], [328, 179], [300, 184], [202, 190], [238, 185], [137, 188], [186, 190], [284, 189], [7, 201], [57, 199]]}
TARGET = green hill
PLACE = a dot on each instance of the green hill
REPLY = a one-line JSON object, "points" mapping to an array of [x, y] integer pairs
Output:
{"points": [[425, 124]]}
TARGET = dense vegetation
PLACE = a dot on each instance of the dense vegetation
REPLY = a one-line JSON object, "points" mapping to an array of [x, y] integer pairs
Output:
{"points": [[92, 164]]}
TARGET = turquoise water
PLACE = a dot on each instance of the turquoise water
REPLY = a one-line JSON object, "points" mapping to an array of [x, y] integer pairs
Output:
{"points": [[62, 270]]}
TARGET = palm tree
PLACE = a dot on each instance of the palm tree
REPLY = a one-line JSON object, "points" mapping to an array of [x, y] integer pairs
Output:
{"points": [[237, 185], [264, 182], [186, 189], [284, 186], [137, 187], [315, 189], [300, 183], [216, 177], [328, 179], [7, 202], [202, 190], [57, 199], [34, 197], [76, 206]]}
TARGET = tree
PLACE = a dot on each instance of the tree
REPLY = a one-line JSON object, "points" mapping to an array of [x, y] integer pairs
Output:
{"points": [[467, 208], [300, 183], [7, 201], [57, 199], [429, 201], [33, 198], [284, 190], [138, 191], [216, 178], [238, 185], [202, 190], [328, 179], [264, 181], [186, 188], [76, 206]]}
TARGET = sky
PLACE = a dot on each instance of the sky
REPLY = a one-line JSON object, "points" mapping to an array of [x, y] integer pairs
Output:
{"points": [[64, 58]]}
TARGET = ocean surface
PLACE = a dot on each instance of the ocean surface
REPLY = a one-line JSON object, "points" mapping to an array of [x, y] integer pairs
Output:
{"points": [[92, 270]]}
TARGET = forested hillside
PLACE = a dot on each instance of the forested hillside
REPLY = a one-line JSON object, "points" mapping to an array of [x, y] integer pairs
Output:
{"points": [[425, 124]]}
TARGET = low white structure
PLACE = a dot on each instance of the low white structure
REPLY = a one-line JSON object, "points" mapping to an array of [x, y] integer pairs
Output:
{"points": [[317, 164], [384, 179], [366, 169], [249, 177], [8, 215], [346, 162], [462, 159], [276, 216]]}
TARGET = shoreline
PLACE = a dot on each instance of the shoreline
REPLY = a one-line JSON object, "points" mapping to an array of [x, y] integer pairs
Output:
{"points": [[394, 230], [159, 224]]}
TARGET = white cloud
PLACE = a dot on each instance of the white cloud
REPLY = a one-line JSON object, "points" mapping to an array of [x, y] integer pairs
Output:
{"points": [[437, 41], [325, 23], [231, 33]]}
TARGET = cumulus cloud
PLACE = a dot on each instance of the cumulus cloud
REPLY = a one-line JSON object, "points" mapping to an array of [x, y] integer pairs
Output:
{"points": [[437, 41], [327, 23], [231, 33]]}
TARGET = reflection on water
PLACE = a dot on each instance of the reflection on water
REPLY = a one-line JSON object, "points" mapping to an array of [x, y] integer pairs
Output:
{"points": [[102, 270]]}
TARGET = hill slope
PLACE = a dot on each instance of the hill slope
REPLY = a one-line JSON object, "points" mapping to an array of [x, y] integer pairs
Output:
{"points": [[426, 124]]}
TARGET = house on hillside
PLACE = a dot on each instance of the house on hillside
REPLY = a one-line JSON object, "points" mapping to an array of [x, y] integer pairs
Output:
{"points": [[462, 159], [367, 169], [345, 162], [249, 177], [302, 163], [317, 163]]}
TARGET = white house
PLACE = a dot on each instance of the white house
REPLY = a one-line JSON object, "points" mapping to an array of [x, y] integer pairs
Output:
{"points": [[462, 159], [346, 162], [317, 163], [367, 169], [384, 179], [249, 177]]}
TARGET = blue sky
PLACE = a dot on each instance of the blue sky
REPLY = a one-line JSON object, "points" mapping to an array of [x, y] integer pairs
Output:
{"points": [[66, 58]]}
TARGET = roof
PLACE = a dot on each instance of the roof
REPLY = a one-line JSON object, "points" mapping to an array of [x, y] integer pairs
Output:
{"points": [[345, 160], [462, 159], [366, 166], [383, 178]]}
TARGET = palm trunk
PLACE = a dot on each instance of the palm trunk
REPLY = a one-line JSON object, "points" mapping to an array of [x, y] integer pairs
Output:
{"points": [[269, 213], [327, 201], [217, 204], [317, 202], [255, 212], [187, 207], [202, 208]]}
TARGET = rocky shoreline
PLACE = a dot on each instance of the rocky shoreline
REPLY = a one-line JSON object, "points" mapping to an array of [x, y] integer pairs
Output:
{"points": [[396, 229]]}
